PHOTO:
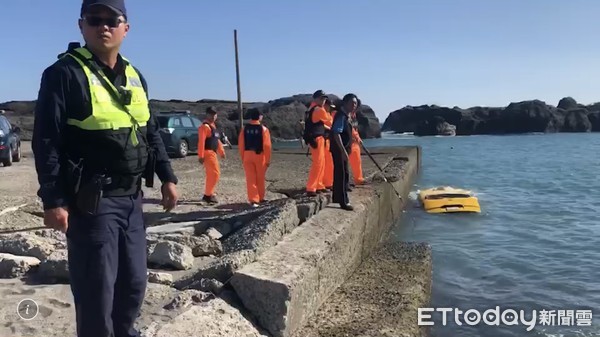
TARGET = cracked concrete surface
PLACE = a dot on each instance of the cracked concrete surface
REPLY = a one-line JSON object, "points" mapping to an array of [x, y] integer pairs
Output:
{"points": [[266, 230]]}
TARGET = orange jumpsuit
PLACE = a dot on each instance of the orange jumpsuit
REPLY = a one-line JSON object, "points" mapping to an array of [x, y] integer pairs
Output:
{"points": [[255, 165], [354, 157], [211, 163], [328, 174], [317, 169]]}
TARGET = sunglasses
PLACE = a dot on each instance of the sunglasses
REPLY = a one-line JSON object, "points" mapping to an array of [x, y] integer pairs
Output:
{"points": [[96, 21]]}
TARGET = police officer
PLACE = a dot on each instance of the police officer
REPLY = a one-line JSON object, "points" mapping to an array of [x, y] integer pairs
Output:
{"points": [[340, 147], [94, 139]]}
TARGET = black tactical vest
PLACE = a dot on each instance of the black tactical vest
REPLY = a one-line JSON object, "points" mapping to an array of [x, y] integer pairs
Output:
{"points": [[314, 130], [212, 142], [253, 138], [346, 134]]}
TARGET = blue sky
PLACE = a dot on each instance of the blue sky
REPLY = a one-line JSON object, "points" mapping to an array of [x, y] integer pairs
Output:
{"points": [[390, 53]]}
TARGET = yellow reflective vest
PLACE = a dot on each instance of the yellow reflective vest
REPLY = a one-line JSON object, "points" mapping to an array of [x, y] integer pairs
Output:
{"points": [[108, 114]]}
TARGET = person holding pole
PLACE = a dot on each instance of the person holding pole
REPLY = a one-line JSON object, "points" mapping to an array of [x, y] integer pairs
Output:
{"points": [[340, 147]]}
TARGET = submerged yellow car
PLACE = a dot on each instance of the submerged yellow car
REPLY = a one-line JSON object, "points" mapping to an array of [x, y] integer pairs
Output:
{"points": [[449, 200]]}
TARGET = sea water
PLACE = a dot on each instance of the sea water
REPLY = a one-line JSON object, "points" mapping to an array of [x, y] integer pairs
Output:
{"points": [[534, 247]]}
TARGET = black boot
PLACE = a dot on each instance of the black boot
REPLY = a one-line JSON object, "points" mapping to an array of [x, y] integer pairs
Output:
{"points": [[347, 207], [210, 199]]}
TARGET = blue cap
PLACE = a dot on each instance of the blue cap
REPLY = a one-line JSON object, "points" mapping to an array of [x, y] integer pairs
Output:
{"points": [[117, 6]]}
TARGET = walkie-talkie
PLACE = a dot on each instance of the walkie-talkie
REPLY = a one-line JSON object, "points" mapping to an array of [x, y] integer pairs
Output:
{"points": [[126, 95], [73, 46]]}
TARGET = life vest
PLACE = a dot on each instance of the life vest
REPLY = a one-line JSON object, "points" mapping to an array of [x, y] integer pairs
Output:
{"points": [[253, 138], [110, 139], [212, 142], [312, 130]]}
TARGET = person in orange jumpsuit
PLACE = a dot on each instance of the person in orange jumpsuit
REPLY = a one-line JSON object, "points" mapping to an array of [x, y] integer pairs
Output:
{"points": [[254, 144], [315, 128], [328, 174], [209, 145], [354, 158]]}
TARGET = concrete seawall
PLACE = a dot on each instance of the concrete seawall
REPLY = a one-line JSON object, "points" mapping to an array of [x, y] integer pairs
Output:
{"points": [[288, 283], [296, 266]]}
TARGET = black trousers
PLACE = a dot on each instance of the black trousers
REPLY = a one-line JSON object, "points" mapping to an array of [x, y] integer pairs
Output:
{"points": [[341, 177], [107, 266]]}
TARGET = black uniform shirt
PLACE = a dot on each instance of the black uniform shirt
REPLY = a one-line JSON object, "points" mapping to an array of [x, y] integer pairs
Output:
{"points": [[63, 91], [341, 125]]}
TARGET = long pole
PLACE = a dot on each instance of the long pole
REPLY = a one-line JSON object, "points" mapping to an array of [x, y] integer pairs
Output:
{"points": [[380, 169], [237, 73], [23, 230]]}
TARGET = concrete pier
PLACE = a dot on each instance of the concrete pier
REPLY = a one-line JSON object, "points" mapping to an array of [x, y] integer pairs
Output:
{"points": [[287, 284], [288, 268]]}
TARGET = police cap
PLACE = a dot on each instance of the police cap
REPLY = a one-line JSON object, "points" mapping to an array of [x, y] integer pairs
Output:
{"points": [[118, 6]]}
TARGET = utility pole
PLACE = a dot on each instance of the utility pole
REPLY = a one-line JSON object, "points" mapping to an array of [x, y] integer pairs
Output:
{"points": [[237, 73]]}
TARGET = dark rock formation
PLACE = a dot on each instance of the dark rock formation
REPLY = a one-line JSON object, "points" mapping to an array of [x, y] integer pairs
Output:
{"points": [[568, 103], [518, 117], [576, 120], [281, 115], [435, 125], [594, 118]]}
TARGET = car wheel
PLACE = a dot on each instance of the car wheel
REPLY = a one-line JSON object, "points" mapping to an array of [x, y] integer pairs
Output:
{"points": [[183, 148], [9, 159], [17, 156]]}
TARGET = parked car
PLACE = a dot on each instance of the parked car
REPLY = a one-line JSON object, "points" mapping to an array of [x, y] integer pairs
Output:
{"points": [[10, 142], [179, 131]]}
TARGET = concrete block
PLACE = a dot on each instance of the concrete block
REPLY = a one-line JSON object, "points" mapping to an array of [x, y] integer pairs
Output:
{"points": [[306, 210], [55, 269], [288, 283], [174, 228], [381, 298], [27, 245], [215, 318], [12, 266], [264, 231], [373, 226], [343, 252], [281, 287], [220, 269]]}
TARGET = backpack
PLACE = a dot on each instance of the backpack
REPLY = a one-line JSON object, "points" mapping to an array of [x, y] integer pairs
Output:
{"points": [[307, 135]]}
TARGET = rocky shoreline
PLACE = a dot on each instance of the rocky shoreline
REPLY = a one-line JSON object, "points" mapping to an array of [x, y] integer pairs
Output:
{"points": [[280, 115], [283, 114], [516, 118]]}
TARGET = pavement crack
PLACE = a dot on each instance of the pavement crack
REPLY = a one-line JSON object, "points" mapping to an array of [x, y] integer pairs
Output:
{"points": [[12, 209]]}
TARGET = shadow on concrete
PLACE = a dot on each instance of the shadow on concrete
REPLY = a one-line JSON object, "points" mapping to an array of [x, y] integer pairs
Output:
{"points": [[161, 218], [236, 207], [151, 201], [192, 202], [288, 192]]}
